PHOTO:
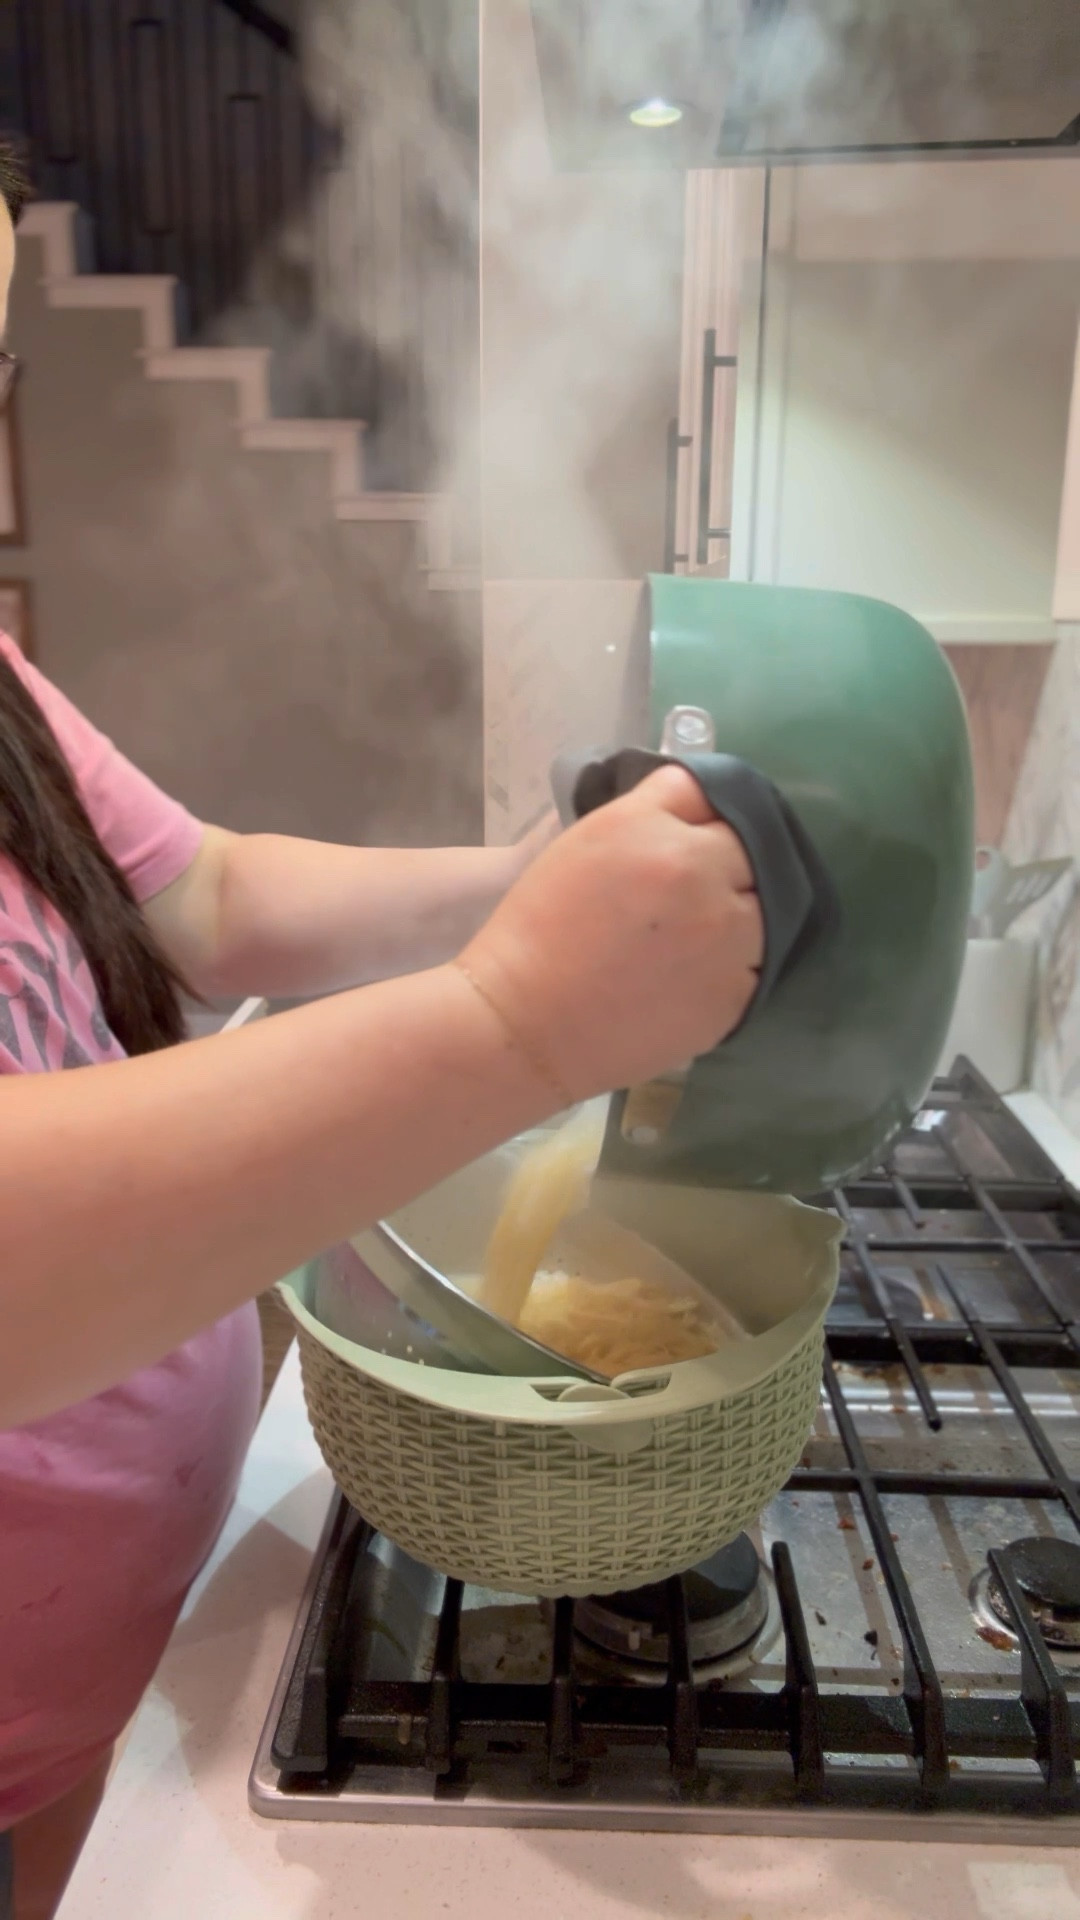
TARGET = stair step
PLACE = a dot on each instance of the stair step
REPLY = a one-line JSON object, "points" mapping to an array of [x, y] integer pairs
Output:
{"points": [[60, 227], [343, 440], [386, 506], [248, 367], [433, 512], [453, 579], [55, 224], [152, 294]]}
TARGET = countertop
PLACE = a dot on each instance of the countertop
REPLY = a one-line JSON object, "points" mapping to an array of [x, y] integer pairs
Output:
{"points": [[175, 1838]]}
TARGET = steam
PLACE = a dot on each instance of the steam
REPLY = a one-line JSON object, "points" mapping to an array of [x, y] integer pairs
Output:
{"points": [[582, 291], [582, 274], [367, 295], [400, 80]]}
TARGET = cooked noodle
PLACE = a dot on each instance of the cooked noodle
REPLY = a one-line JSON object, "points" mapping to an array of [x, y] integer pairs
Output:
{"points": [[616, 1326], [611, 1326], [551, 1183]]}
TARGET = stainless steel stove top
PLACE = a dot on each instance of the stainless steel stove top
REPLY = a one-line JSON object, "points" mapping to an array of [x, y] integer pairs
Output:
{"points": [[885, 1675]]}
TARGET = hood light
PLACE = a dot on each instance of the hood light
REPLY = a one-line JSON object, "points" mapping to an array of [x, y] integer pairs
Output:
{"points": [[655, 113]]}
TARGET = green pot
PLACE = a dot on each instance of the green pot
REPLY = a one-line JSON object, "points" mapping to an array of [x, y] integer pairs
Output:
{"points": [[851, 709]]}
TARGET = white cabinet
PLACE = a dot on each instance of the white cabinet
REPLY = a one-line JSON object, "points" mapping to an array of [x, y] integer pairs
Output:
{"points": [[906, 361]]}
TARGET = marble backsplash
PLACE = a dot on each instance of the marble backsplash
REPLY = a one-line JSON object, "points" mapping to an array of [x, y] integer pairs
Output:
{"points": [[1044, 821], [1002, 687]]}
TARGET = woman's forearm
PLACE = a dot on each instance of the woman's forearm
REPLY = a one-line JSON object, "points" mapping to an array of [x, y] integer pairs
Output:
{"points": [[297, 917], [142, 1200], [289, 919]]}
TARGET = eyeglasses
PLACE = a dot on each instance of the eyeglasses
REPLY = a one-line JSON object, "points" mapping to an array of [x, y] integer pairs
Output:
{"points": [[10, 369]]}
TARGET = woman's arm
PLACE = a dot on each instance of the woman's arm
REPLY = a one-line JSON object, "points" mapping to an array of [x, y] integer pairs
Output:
{"points": [[141, 1200], [258, 913], [262, 914]]}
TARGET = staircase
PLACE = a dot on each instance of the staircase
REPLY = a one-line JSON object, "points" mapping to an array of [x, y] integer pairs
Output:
{"points": [[298, 179], [70, 283]]}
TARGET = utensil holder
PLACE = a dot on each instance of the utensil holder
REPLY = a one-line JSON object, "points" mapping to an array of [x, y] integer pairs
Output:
{"points": [[991, 1022]]}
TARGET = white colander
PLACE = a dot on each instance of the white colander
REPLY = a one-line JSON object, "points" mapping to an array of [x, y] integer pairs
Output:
{"points": [[549, 1487]]}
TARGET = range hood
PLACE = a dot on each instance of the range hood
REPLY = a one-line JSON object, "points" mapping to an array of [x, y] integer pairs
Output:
{"points": [[708, 83]]}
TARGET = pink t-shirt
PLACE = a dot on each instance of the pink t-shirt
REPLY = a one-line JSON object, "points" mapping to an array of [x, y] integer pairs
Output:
{"points": [[107, 1510]]}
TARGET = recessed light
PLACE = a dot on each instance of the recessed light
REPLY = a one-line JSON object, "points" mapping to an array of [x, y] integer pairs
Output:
{"points": [[655, 113]]}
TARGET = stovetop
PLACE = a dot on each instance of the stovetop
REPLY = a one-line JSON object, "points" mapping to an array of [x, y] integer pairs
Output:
{"points": [[898, 1666]]}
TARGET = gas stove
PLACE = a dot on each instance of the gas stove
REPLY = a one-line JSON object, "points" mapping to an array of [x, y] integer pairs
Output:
{"points": [[896, 1647]]}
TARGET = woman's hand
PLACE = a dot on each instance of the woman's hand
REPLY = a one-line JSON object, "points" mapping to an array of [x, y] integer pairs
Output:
{"points": [[631, 943]]}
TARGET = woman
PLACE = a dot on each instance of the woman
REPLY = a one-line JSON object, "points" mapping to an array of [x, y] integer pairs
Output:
{"points": [[145, 1201]]}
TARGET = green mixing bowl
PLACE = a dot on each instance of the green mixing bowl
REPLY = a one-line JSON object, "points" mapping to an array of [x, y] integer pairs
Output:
{"points": [[851, 711]]}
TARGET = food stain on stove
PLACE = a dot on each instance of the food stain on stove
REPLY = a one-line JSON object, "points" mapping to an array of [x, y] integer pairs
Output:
{"points": [[996, 1637], [380, 1629]]}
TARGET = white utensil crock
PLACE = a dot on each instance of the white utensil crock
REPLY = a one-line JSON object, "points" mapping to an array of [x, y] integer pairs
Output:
{"points": [[991, 1023]]}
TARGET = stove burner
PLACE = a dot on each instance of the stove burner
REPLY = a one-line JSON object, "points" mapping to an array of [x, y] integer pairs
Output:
{"points": [[1048, 1575], [727, 1604]]}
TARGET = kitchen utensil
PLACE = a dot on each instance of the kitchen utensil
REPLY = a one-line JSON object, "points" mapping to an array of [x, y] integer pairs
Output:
{"points": [[350, 1299], [552, 1486], [1003, 892], [990, 874], [850, 710], [421, 1257], [426, 1262]]}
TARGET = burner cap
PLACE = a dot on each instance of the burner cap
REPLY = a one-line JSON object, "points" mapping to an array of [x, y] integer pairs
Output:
{"points": [[727, 1603], [1048, 1575]]}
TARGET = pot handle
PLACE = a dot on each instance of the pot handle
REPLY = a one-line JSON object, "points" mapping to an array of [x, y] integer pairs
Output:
{"points": [[799, 902]]}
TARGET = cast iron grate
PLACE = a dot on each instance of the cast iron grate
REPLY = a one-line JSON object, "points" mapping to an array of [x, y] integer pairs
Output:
{"points": [[967, 1162]]}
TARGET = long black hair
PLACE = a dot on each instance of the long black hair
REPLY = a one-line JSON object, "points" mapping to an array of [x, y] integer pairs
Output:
{"points": [[46, 830]]}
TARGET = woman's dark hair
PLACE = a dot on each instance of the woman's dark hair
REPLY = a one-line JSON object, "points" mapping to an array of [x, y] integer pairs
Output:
{"points": [[46, 830]]}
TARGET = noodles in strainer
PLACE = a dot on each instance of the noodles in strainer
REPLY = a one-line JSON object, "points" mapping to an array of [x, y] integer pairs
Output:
{"points": [[616, 1326], [551, 1183], [611, 1325]]}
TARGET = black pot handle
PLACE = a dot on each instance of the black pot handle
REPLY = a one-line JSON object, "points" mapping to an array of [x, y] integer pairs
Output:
{"points": [[799, 901]]}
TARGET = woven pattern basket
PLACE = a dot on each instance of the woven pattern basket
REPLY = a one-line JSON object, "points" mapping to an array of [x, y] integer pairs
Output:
{"points": [[534, 1508]]}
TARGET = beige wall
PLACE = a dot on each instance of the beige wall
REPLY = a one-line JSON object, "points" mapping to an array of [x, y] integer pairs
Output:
{"points": [[274, 668]]}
